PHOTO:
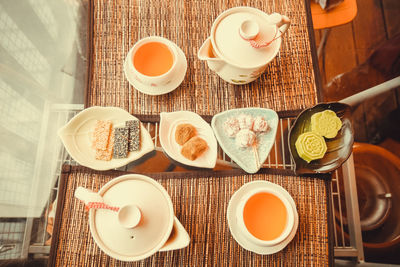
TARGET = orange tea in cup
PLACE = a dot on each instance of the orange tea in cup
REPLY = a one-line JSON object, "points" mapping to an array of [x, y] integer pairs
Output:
{"points": [[265, 216], [153, 59]]}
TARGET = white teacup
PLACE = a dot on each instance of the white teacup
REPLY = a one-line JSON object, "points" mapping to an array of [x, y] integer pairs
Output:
{"points": [[152, 50], [245, 231]]}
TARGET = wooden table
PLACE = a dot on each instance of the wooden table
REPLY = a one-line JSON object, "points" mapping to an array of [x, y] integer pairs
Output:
{"points": [[289, 84]]}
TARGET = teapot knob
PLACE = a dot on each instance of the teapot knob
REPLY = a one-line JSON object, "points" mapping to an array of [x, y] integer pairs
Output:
{"points": [[249, 29], [129, 216]]}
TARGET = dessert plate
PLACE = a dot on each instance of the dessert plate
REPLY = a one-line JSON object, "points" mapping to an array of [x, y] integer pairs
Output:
{"points": [[245, 157], [339, 148], [157, 90], [235, 230], [169, 122], [77, 134]]}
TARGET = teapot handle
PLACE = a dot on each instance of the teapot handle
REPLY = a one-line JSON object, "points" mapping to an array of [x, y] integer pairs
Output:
{"points": [[178, 238], [249, 30], [283, 23], [87, 195]]}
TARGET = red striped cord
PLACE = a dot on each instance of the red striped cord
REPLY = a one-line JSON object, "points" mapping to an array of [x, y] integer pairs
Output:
{"points": [[100, 205]]}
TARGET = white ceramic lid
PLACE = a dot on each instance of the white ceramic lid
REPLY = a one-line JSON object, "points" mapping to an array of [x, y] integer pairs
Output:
{"points": [[153, 229], [233, 48]]}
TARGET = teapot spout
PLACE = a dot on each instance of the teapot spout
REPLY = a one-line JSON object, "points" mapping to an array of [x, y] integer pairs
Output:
{"points": [[206, 52], [178, 239]]}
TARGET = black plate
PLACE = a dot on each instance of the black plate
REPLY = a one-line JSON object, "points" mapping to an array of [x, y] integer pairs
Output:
{"points": [[339, 148]]}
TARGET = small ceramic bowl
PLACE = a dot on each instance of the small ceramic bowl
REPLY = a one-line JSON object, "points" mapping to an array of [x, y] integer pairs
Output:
{"points": [[233, 222], [158, 85], [162, 79], [289, 222]]}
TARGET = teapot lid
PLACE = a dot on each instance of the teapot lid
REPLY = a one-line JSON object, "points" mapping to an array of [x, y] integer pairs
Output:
{"points": [[153, 229], [232, 30]]}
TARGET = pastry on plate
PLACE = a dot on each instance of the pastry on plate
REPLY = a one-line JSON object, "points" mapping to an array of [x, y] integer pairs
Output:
{"points": [[246, 121], [260, 125], [101, 134], [245, 138], [231, 127], [326, 123], [184, 132], [134, 135], [121, 137], [106, 154], [310, 146], [194, 148]]}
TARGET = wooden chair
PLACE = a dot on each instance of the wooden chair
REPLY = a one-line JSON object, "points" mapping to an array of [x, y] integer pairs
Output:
{"points": [[339, 15]]}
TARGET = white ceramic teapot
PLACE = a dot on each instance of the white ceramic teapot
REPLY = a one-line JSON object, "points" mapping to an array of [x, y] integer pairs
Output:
{"points": [[243, 41], [132, 217]]}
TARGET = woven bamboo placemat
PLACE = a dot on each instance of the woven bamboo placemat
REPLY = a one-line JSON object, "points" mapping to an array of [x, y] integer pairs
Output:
{"points": [[200, 201], [290, 81]]}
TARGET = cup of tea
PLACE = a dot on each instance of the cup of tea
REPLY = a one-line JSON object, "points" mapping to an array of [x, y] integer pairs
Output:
{"points": [[154, 61], [265, 217]]}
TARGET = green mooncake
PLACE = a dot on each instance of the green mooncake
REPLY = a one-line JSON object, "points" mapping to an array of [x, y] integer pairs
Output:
{"points": [[326, 123], [310, 146]]}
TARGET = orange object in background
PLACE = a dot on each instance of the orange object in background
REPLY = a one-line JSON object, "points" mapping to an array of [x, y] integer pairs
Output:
{"points": [[153, 59], [265, 216], [341, 14]]}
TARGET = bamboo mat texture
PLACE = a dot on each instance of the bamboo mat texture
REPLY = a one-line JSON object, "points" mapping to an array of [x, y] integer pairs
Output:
{"points": [[290, 81], [200, 202]]}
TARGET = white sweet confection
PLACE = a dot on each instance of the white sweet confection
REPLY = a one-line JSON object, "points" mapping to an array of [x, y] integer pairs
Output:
{"points": [[245, 138], [260, 124], [231, 127], [245, 121]]}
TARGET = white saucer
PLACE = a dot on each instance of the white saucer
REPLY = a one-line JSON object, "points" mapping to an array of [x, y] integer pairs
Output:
{"points": [[232, 221], [158, 90]]}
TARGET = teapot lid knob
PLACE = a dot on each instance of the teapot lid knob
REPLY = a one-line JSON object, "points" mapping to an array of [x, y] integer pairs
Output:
{"points": [[129, 216], [249, 29]]}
